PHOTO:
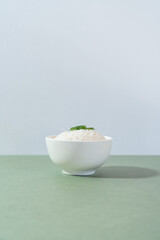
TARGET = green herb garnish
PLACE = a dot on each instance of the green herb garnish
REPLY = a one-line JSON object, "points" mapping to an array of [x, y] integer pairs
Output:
{"points": [[90, 128], [81, 127]]}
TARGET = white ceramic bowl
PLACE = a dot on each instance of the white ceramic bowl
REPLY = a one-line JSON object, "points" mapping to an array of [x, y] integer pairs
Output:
{"points": [[77, 157]]}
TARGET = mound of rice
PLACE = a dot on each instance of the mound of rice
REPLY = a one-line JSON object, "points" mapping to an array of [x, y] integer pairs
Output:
{"points": [[80, 135]]}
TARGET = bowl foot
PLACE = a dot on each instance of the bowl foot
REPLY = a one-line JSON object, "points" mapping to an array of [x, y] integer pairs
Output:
{"points": [[84, 173]]}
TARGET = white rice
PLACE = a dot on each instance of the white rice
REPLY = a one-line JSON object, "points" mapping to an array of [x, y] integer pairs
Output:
{"points": [[80, 135]]}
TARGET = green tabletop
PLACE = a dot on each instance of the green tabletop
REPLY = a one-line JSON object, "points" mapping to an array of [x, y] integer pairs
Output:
{"points": [[121, 201]]}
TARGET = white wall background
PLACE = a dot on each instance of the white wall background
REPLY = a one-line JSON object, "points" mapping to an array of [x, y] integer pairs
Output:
{"points": [[93, 62]]}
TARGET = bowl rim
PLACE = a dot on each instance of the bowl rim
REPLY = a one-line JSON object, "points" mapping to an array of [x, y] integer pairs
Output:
{"points": [[52, 138]]}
